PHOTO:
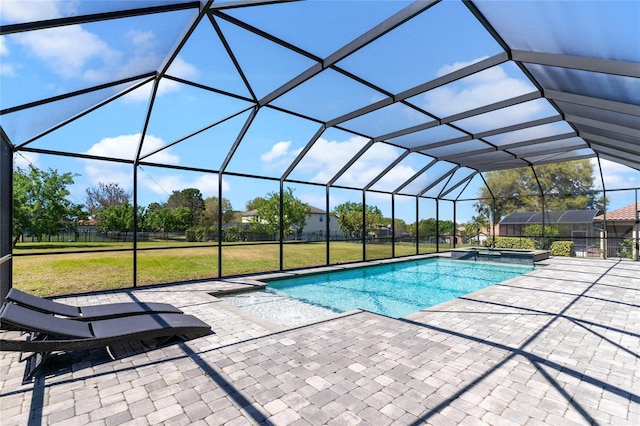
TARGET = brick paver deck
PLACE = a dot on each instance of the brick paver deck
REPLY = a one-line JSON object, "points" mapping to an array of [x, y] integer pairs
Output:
{"points": [[558, 346]]}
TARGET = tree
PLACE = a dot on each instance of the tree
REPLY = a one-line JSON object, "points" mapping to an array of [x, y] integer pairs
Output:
{"points": [[160, 218], [399, 224], [294, 216], [180, 219], [476, 225], [349, 217], [254, 204], [191, 198], [565, 186], [430, 227], [209, 216], [40, 206], [116, 218], [105, 195]]}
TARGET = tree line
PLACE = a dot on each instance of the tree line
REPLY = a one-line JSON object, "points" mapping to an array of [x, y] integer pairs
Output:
{"points": [[41, 207]]}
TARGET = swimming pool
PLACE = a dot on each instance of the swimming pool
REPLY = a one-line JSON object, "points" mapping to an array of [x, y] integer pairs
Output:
{"points": [[395, 289]]}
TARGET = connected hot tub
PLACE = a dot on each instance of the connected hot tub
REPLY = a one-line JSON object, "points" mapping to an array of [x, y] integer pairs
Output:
{"points": [[513, 256]]}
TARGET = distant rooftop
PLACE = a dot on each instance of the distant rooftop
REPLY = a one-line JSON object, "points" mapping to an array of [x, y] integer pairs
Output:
{"points": [[624, 214]]}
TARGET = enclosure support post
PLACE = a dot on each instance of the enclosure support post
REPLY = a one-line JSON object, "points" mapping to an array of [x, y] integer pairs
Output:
{"points": [[364, 225], [437, 225], [393, 225], [327, 228], [281, 227], [220, 235], [604, 235], [455, 233], [542, 205], [637, 235], [417, 231], [493, 221], [135, 224], [6, 215]]}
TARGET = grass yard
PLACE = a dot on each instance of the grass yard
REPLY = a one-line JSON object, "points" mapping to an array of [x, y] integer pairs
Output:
{"points": [[68, 271]]}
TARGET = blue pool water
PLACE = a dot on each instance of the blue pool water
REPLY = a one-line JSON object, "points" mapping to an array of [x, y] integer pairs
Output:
{"points": [[397, 289]]}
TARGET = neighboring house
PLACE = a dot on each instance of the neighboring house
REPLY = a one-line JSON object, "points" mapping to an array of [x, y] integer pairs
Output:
{"points": [[478, 239], [568, 223], [574, 225], [87, 226], [315, 227], [622, 224]]}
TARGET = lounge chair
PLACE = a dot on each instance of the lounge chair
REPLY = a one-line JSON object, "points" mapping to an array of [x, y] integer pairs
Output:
{"points": [[87, 313], [53, 334]]}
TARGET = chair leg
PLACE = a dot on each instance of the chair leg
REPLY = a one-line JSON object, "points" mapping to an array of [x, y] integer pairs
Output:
{"points": [[34, 362]]}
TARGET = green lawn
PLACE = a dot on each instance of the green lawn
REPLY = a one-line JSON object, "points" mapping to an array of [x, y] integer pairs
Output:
{"points": [[82, 267]]}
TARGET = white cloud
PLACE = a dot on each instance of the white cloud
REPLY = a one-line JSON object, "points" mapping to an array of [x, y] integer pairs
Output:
{"points": [[73, 52], [108, 172], [179, 68], [141, 39], [4, 50], [278, 150], [123, 146], [374, 161], [68, 50], [531, 133], [182, 69], [480, 89], [26, 11], [165, 185], [6, 69], [448, 69], [141, 94], [326, 157], [615, 175], [526, 111], [280, 156], [118, 65], [396, 177]]}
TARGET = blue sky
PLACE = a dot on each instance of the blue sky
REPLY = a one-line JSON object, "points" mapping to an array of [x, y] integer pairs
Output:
{"points": [[46, 63]]}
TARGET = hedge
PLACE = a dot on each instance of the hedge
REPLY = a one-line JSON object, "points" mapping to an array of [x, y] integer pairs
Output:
{"points": [[514, 243], [562, 248]]}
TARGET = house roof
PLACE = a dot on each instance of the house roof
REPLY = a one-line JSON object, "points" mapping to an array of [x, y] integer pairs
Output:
{"points": [[627, 213]]}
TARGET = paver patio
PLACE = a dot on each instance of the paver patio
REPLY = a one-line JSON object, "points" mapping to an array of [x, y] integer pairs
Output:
{"points": [[558, 346]]}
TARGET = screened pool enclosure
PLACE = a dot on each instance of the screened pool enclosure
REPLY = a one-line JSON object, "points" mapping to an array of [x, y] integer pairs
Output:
{"points": [[399, 105]]}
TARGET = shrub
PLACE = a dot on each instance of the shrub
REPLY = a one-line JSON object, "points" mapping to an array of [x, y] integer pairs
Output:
{"points": [[514, 243], [233, 233], [201, 234], [535, 232], [626, 249], [562, 248]]}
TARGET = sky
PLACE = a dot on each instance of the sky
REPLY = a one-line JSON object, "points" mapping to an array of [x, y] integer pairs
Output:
{"points": [[47, 63]]}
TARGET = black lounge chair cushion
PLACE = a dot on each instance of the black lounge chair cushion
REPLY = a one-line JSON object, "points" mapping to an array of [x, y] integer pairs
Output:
{"points": [[110, 310], [64, 334]]}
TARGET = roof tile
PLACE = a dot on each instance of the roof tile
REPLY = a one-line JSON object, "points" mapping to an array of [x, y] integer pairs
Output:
{"points": [[627, 213]]}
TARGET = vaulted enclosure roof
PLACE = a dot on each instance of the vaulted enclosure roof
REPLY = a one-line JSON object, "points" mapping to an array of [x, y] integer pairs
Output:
{"points": [[453, 88], [550, 217]]}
